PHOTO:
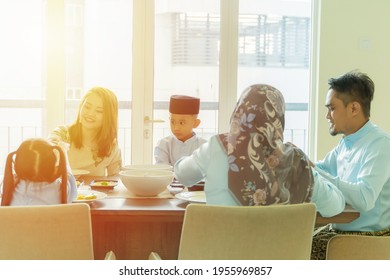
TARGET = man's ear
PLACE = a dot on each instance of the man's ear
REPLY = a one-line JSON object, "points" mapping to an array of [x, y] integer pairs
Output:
{"points": [[355, 107], [196, 123]]}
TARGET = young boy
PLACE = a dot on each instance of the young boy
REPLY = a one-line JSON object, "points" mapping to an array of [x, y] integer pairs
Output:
{"points": [[184, 112]]}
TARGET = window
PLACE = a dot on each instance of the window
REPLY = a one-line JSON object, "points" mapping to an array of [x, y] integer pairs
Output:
{"points": [[274, 48], [21, 71], [195, 39], [42, 80], [99, 53], [274, 41], [264, 40]]}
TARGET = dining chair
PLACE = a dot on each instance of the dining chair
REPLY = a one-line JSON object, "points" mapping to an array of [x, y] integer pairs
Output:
{"points": [[47, 232], [358, 247], [212, 232]]}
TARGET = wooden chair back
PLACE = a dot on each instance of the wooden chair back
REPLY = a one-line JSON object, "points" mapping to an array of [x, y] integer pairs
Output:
{"points": [[282, 232], [358, 247], [49, 232]]}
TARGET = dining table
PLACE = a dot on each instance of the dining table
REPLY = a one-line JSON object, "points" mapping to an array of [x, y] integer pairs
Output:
{"points": [[133, 227]]}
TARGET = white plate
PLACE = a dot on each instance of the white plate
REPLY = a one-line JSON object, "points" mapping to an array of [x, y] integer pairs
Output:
{"points": [[197, 196], [78, 172], [99, 195], [103, 184]]}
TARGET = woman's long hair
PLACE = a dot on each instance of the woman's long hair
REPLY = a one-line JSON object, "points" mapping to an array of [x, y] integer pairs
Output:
{"points": [[35, 160], [108, 133]]}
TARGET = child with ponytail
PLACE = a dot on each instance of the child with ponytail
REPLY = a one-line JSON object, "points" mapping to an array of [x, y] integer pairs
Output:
{"points": [[36, 174]]}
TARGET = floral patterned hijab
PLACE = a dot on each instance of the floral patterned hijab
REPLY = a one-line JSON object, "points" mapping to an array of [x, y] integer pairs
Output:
{"points": [[262, 169]]}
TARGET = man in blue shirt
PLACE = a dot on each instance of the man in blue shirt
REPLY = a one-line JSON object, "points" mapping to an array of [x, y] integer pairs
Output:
{"points": [[359, 164]]}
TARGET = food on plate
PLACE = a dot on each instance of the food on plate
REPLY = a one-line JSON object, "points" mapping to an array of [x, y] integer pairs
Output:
{"points": [[104, 183], [88, 196]]}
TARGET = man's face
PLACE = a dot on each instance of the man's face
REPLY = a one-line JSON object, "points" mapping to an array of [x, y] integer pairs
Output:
{"points": [[338, 115], [182, 125]]}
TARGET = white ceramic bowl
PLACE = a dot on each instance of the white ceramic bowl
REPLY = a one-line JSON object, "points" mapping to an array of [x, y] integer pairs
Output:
{"points": [[146, 182], [147, 167]]}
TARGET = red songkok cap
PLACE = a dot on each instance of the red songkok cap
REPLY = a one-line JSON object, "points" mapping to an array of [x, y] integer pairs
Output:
{"points": [[184, 105]]}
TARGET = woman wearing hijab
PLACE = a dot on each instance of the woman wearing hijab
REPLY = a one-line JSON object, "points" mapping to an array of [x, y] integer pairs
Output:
{"points": [[250, 165]]}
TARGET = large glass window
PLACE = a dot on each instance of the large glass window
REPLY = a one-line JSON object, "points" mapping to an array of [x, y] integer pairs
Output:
{"points": [[186, 60], [197, 51], [21, 70], [274, 48], [99, 53]]}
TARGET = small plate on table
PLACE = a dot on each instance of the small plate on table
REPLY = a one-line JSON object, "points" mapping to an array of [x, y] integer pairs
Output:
{"points": [[89, 196], [195, 197], [103, 184]]}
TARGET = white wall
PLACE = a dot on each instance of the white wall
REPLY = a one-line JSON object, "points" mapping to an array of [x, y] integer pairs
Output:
{"points": [[345, 27]]}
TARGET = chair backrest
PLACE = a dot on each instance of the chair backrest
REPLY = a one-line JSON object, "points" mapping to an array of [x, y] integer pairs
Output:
{"points": [[49, 232], [358, 247], [282, 232]]}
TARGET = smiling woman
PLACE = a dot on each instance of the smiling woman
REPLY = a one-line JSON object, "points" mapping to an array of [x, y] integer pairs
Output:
{"points": [[91, 141]]}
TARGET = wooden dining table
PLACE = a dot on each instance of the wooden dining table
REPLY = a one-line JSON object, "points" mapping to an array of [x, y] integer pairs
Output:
{"points": [[134, 226]]}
